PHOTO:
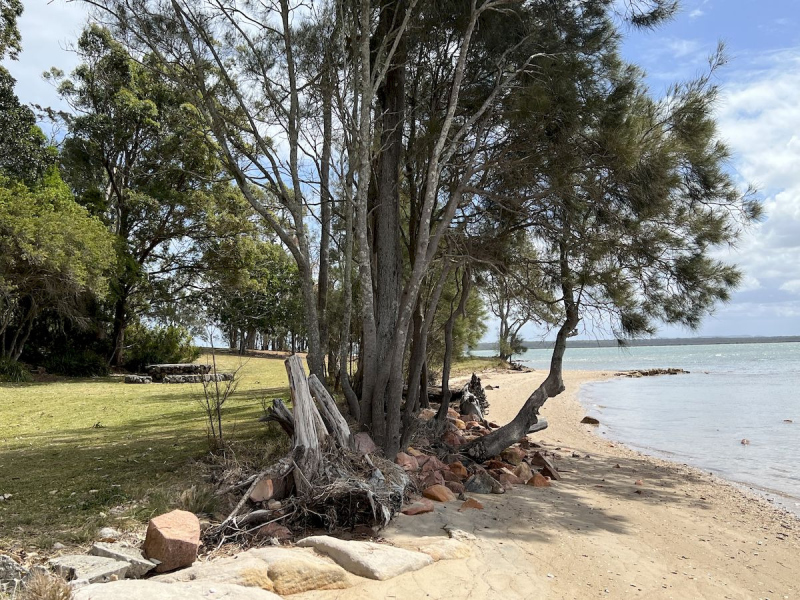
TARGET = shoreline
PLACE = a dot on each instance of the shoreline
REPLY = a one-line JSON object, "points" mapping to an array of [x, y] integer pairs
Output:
{"points": [[618, 524]]}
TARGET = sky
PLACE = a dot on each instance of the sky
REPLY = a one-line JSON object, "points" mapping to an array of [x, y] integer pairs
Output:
{"points": [[758, 116]]}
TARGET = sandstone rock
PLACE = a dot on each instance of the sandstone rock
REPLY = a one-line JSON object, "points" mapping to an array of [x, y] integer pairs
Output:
{"points": [[426, 414], [363, 444], [470, 503], [498, 464], [419, 507], [439, 493], [590, 421], [453, 413], [455, 486], [368, 559], [138, 565], [480, 483], [512, 456], [147, 589], [274, 505], [94, 569], [450, 476], [451, 438], [274, 530], [459, 424], [745, 442], [407, 462], [459, 470], [270, 489], [431, 463], [431, 478], [523, 471], [172, 539], [539, 480], [638, 482], [509, 479], [296, 575], [547, 467], [439, 548]]}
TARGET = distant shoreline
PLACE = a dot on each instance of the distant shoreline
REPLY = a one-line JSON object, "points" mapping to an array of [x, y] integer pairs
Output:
{"points": [[699, 341]]}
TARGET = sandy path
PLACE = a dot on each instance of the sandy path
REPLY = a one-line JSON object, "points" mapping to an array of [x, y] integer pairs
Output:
{"points": [[687, 535]]}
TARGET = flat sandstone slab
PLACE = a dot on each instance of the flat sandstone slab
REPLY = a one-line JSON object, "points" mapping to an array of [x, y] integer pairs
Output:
{"points": [[95, 569], [146, 589], [367, 559]]}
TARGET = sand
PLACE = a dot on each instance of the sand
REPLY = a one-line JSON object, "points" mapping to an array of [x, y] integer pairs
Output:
{"points": [[687, 534]]}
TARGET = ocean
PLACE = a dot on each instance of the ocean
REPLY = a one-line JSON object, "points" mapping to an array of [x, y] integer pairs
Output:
{"points": [[733, 392]]}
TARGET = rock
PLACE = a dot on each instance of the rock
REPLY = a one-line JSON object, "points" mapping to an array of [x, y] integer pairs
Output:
{"points": [[426, 414], [274, 505], [363, 444], [451, 438], [439, 548], [538, 480], [11, 573], [431, 463], [270, 489], [448, 475], [138, 565], [498, 464], [745, 442], [419, 507], [138, 379], [455, 486], [439, 493], [172, 539], [509, 480], [368, 559], [512, 456], [432, 478], [523, 471], [94, 569], [459, 470], [470, 503], [617, 466], [407, 462], [58, 546], [482, 483], [296, 575], [415, 453], [547, 467], [147, 589], [274, 530], [459, 424], [590, 421], [453, 413], [788, 421], [108, 534], [638, 482]]}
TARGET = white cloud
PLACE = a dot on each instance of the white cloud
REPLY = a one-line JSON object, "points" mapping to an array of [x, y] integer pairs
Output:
{"points": [[792, 286], [696, 13]]}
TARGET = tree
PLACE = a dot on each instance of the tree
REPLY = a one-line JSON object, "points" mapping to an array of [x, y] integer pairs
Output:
{"points": [[10, 40], [139, 158], [52, 255]]}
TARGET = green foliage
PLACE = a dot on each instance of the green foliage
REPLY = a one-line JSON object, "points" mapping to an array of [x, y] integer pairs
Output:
{"points": [[52, 253], [74, 362], [10, 40], [24, 154], [171, 344], [12, 371]]}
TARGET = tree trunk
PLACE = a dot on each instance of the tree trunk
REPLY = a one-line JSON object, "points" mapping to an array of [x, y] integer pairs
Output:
{"points": [[448, 343], [120, 323]]}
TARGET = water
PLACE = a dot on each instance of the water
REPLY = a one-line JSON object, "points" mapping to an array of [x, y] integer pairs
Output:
{"points": [[734, 392]]}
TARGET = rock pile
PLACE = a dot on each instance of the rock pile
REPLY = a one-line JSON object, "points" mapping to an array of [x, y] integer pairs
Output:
{"points": [[651, 372], [178, 373]]}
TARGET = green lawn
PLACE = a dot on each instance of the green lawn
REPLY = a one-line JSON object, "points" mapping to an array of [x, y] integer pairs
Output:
{"points": [[77, 454]]}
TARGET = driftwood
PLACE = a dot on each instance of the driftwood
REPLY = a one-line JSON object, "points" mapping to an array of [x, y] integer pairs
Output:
{"points": [[281, 415], [308, 428], [469, 404], [331, 415]]}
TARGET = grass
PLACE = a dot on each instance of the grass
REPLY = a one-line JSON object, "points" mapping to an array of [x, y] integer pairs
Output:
{"points": [[79, 454], [476, 364]]}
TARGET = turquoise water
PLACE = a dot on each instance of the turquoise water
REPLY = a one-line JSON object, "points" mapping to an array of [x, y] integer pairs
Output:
{"points": [[734, 391]]}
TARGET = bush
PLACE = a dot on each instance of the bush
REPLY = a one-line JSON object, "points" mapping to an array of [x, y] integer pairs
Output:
{"points": [[159, 345], [43, 586], [13, 371], [77, 363]]}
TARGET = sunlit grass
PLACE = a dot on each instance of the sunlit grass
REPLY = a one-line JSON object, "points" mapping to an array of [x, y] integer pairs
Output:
{"points": [[73, 449]]}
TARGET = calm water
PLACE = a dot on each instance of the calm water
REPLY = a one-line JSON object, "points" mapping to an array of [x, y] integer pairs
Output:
{"points": [[734, 391]]}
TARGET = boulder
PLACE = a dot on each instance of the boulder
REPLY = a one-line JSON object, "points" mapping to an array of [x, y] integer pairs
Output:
{"points": [[455, 486], [459, 470], [147, 589], [539, 480], [94, 569], [523, 471], [368, 559], [11, 574], [431, 479], [470, 503], [512, 456], [448, 475], [480, 483], [590, 421], [451, 438], [546, 466], [419, 507], [408, 463], [459, 424], [363, 444], [439, 493], [439, 548], [296, 575], [138, 379], [138, 565], [270, 489], [172, 539]]}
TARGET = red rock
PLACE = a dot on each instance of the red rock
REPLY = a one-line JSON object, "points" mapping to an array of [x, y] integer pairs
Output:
{"points": [[432, 464], [363, 444], [426, 414], [451, 438], [414, 452], [448, 475], [470, 503], [432, 478], [173, 539], [523, 471], [548, 468], [408, 462], [512, 456], [498, 464], [539, 480], [452, 413], [421, 506], [274, 530], [459, 469], [460, 425], [439, 493], [270, 489], [509, 479], [493, 425], [455, 486], [638, 482]]}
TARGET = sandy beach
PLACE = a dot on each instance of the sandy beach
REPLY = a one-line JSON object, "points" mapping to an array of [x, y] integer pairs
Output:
{"points": [[680, 534]]}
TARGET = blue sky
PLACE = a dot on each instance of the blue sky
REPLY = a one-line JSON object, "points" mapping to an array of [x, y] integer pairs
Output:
{"points": [[759, 117]]}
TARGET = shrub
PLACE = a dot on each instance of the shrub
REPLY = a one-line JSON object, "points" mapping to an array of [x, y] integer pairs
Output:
{"points": [[46, 587], [13, 372], [77, 363], [158, 345]]}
